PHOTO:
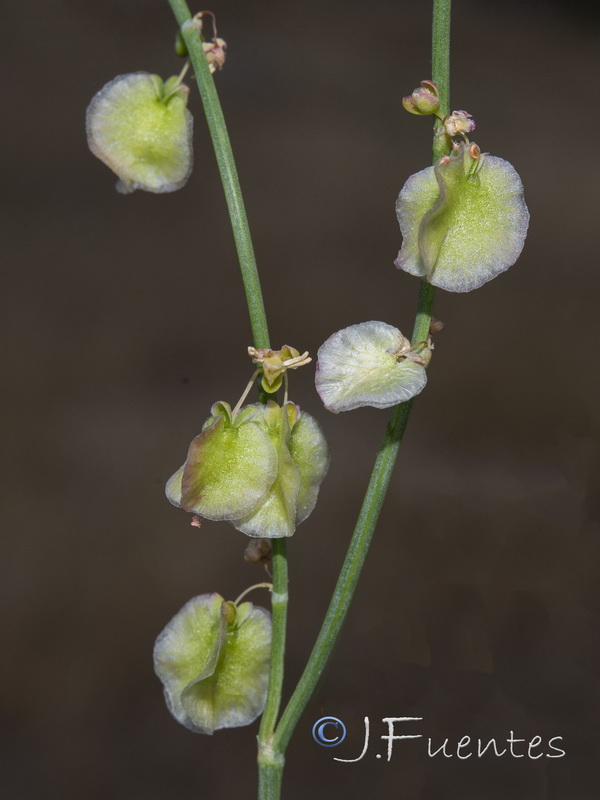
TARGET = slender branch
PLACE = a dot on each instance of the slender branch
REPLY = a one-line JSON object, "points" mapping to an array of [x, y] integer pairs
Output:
{"points": [[270, 772], [279, 602], [227, 168], [272, 746], [349, 575], [270, 762], [440, 69], [384, 463], [440, 51]]}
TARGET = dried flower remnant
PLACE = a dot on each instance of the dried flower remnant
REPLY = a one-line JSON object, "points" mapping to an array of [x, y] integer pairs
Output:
{"points": [[140, 127], [215, 50], [370, 364], [459, 123], [259, 551], [275, 363], [213, 660], [463, 221]]}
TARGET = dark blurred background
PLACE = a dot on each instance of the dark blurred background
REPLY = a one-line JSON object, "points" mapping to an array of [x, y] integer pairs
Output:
{"points": [[124, 319]]}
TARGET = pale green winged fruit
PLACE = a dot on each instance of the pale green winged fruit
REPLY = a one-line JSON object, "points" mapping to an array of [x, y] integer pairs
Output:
{"points": [[463, 221], [370, 364], [213, 660], [230, 466], [275, 517], [260, 469], [140, 127]]}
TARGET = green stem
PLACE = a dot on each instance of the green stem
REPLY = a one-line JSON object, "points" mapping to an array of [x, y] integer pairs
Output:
{"points": [[270, 774], [272, 743], [359, 544], [384, 463], [440, 69], [279, 602], [227, 168], [271, 763], [349, 575]]}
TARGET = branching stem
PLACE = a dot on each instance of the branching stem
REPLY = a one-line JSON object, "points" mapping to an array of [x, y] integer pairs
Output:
{"points": [[386, 458], [273, 740], [260, 335]]}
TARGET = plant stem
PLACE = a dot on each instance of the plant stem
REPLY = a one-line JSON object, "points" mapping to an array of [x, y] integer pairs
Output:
{"points": [[218, 130], [272, 743], [384, 463], [440, 69], [227, 168], [349, 575], [279, 602], [440, 51], [359, 544], [270, 762]]}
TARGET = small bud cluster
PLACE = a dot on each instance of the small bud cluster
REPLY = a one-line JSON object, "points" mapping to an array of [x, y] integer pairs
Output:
{"points": [[424, 100]]}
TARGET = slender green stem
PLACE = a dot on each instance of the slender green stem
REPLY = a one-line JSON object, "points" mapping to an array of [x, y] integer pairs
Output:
{"points": [[349, 575], [384, 463], [440, 51], [279, 602], [359, 544], [227, 168], [270, 775], [272, 743], [440, 69], [271, 763]]}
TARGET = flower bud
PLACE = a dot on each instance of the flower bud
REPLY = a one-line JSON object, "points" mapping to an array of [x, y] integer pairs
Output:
{"points": [[180, 45], [140, 127], [369, 364], [213, 660], [425, 100], [463, 221]]}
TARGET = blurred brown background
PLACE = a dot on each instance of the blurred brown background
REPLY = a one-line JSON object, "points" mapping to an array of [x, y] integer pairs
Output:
{"points": [[124, 319]]}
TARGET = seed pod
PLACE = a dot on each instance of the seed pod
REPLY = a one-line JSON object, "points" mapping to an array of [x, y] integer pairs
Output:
{"points": [[213, 660], [369, 364], [140, 127], [463, 221], [261, 469], [302, 464], [230, 467]]}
